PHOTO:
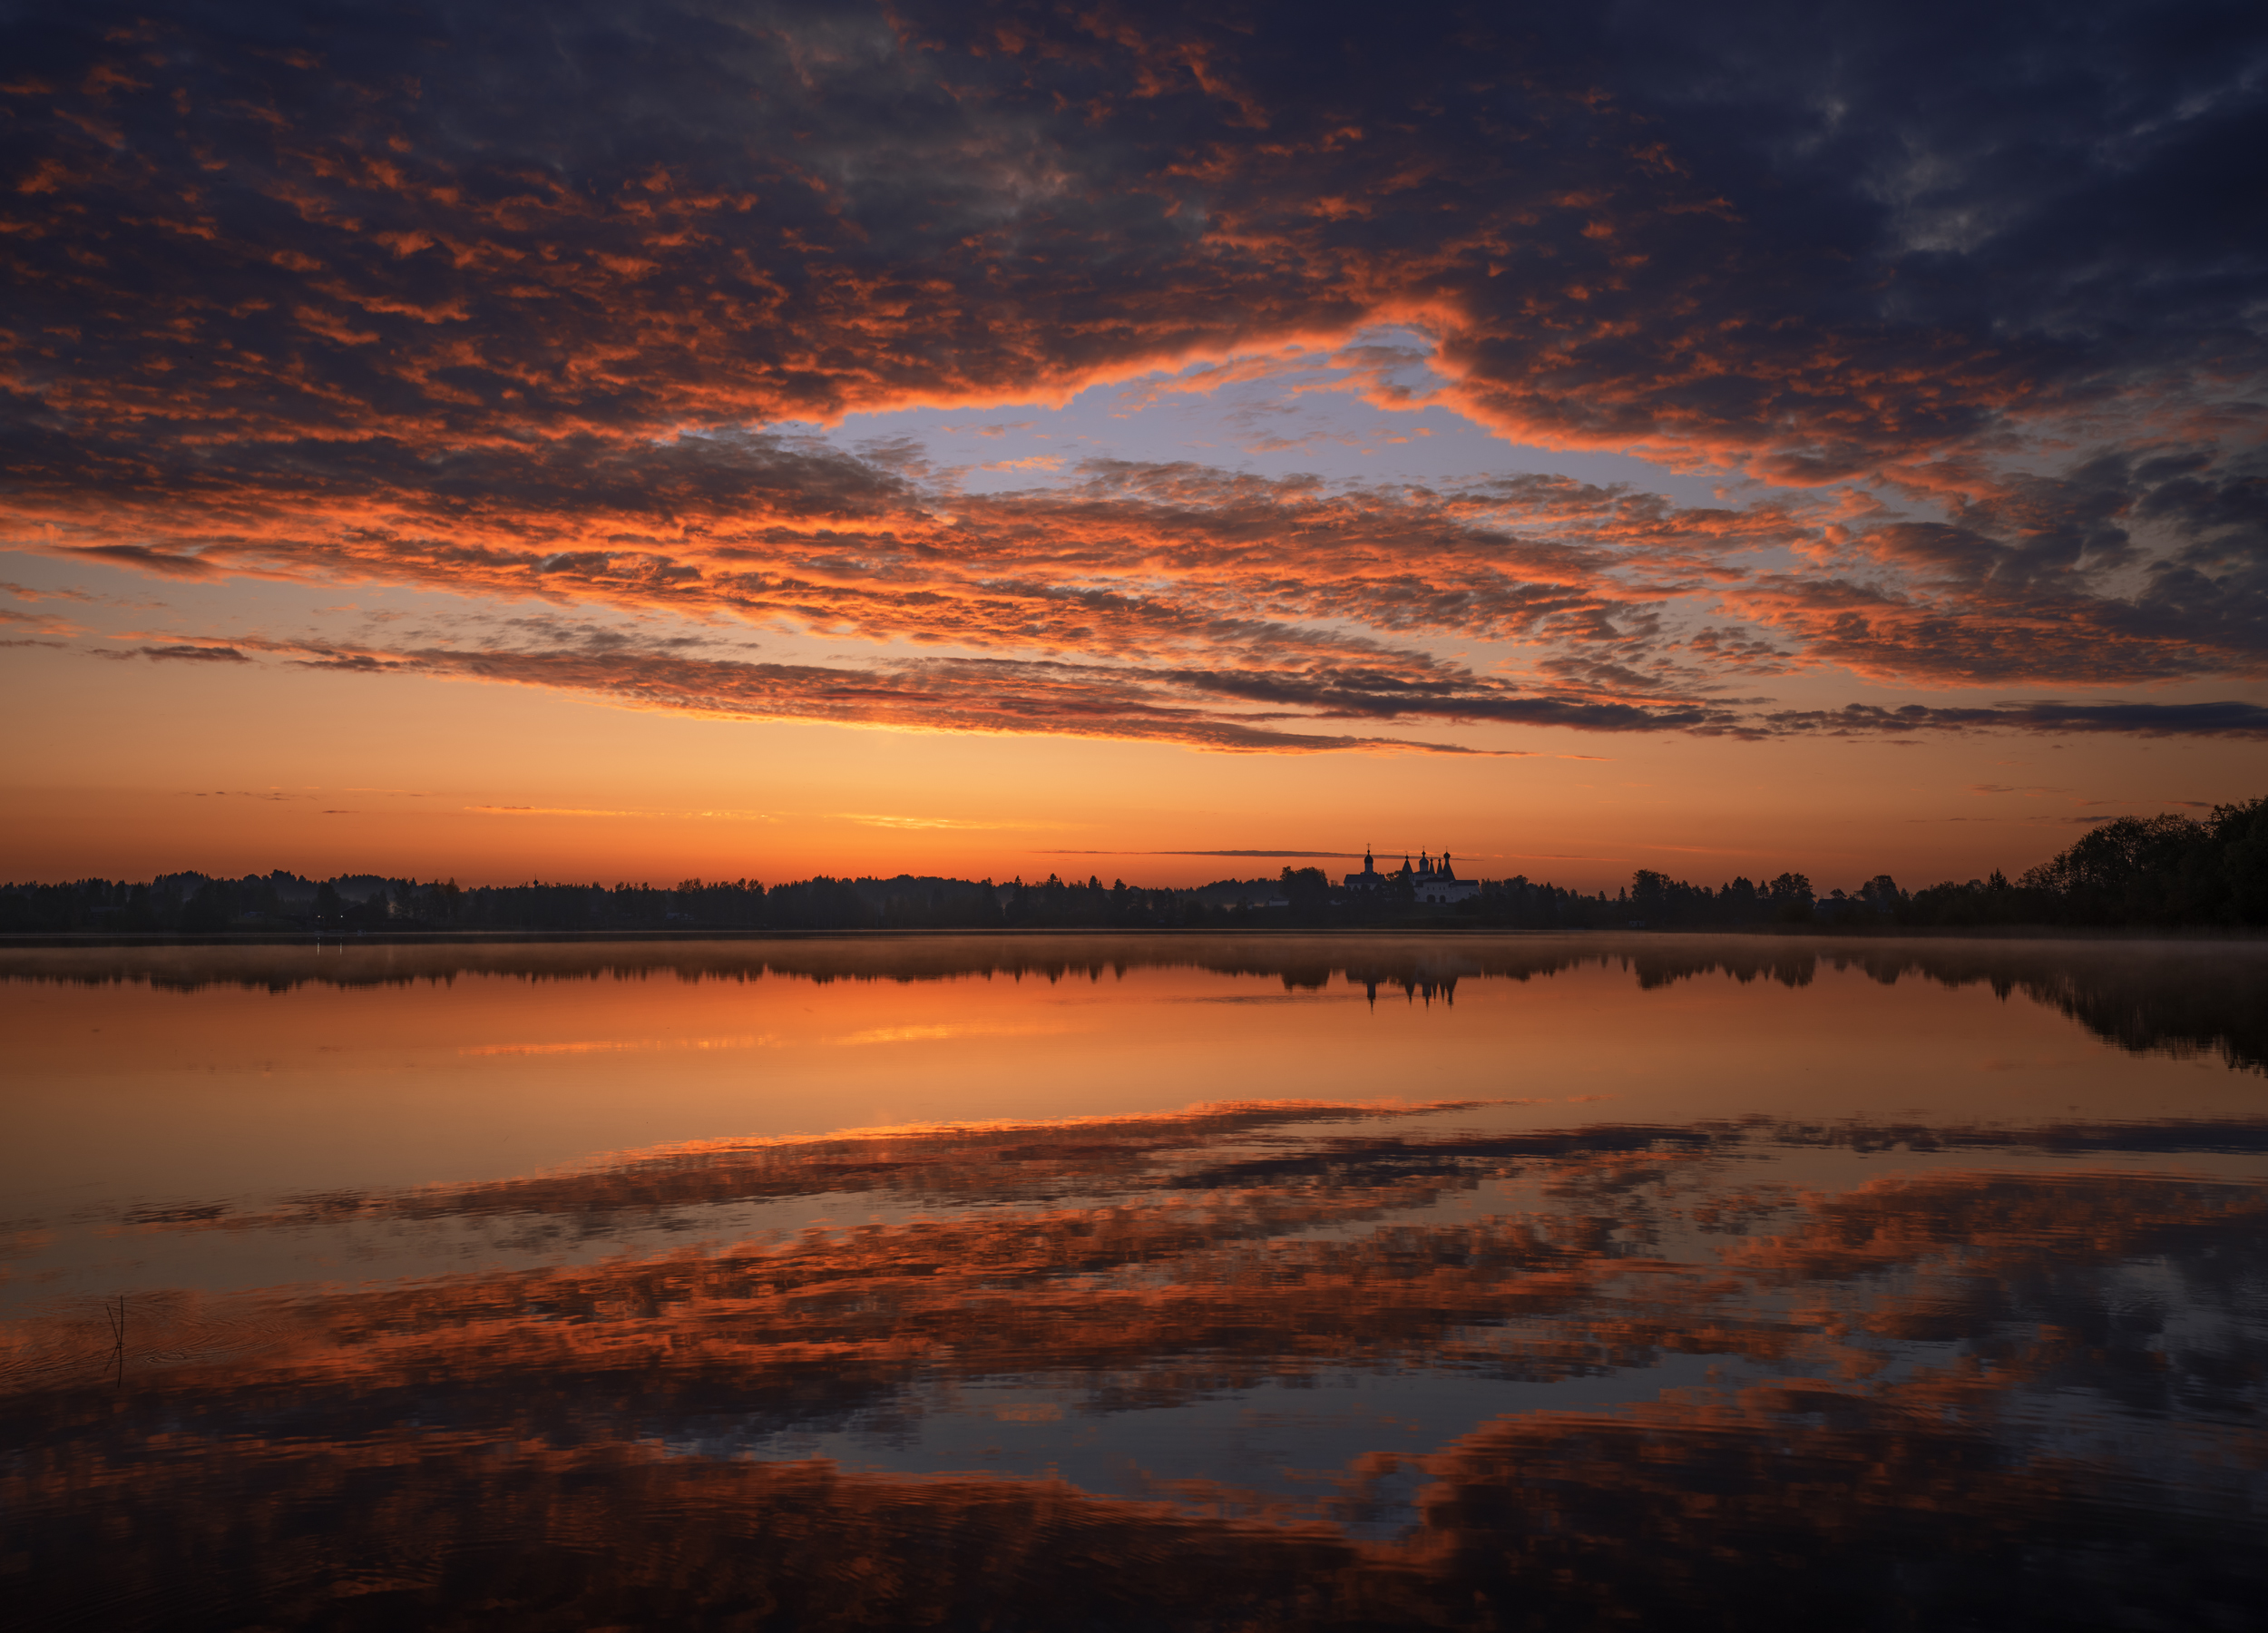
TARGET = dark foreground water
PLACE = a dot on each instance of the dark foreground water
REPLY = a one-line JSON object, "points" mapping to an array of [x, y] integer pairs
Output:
{"points": [[1115, 1283]]}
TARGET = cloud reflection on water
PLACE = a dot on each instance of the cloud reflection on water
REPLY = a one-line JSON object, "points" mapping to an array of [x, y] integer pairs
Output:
{"points": [[1749, 1370]]}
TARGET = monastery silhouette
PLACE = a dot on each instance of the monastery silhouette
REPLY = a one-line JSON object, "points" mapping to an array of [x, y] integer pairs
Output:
{"points": [[1429, 881]]}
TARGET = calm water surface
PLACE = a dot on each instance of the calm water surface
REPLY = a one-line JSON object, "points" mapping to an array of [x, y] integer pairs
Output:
{"points": [[1101, 1282]]}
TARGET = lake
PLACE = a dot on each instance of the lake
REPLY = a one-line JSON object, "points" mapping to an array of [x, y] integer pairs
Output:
{"points": [[1109, 1282]]}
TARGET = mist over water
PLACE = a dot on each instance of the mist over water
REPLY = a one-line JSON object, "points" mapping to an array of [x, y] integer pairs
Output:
{"points": [[1134, 1282]]}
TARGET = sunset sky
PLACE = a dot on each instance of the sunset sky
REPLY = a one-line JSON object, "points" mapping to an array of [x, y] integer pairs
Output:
{"points": [[609, 440]]}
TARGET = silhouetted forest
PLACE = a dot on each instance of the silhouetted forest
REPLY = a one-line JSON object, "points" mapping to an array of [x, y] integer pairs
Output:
{"points": [[2133, 871]]}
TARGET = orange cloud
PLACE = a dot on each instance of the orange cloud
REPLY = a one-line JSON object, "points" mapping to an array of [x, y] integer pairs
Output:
{"points": [[339, 337]]}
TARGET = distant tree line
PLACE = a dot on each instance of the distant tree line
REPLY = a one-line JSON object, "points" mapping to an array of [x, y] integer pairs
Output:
{"points": [[2164, 871], [194, 903]]}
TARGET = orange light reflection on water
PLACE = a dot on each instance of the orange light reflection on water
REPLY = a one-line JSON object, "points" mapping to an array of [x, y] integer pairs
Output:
{"points": [[1658, 1287], [290, 1070]]}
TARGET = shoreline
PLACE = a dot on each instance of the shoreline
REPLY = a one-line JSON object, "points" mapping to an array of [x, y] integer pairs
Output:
{"points": [[2203, 935]]}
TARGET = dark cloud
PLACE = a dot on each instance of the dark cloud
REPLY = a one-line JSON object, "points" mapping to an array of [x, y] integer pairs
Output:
{"points": [[166, 563], [1058, 698], [500, 299], [1202, 852], [357, 663], [2234, 719], [1193, 708], [191, 654]]}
